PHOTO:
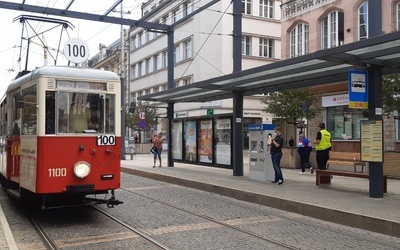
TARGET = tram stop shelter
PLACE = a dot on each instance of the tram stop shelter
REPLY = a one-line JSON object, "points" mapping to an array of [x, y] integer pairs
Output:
{"points": [[379, 56]]}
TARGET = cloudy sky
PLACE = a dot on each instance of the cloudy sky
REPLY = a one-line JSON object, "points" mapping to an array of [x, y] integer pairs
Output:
{"points": [[91, 32]]}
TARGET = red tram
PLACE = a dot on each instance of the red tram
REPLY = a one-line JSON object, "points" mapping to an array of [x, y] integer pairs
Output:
{"points": [[60, 134]]}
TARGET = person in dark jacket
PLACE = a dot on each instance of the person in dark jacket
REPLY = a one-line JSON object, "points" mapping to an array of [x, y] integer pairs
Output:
{"points": [[304, 152], [276, 155]]}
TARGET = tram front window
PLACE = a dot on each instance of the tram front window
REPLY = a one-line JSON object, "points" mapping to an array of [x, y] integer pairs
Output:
{"points": [[83, 112]]}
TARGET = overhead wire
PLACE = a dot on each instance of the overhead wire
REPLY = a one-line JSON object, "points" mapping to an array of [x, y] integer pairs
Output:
{"points": [[205, 41]]}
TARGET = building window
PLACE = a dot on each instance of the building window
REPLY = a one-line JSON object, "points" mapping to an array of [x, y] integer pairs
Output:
{"points": [[140, 39], [156, 89], [363, 21], [133, 42], [175, 15], [398, 16], [147, 66], [344, 123], [397, 126], [164, 19], [186, 81], [246, 45], [164, 87], [246, 7], [333, 30], [299, 40], [140, 69], [177, 57], [133, 71], [155, 62], [176, 84], [187, 49], [267, 8], [266, 48], [165, 59]]}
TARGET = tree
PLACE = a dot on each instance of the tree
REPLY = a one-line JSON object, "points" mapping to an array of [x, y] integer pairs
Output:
{"points": [[132, 119], [292, 105], [391, 94]]}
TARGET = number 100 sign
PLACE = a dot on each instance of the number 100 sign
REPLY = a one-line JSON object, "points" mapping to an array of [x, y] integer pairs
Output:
{"points": [[76, 50]]}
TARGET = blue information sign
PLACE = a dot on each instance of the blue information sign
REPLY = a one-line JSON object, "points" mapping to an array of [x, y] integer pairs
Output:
{"points": [[358, 89], [142, 123]]}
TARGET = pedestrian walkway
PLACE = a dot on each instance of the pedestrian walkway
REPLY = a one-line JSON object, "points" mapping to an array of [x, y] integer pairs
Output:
{"points": [[346, 202]]}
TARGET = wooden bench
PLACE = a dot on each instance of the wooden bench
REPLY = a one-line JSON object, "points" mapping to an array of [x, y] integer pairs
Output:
{"points": [[323, 177], [347, 159]]}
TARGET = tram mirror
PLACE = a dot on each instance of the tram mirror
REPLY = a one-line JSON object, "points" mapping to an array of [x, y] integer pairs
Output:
{"points": [[132, 107], [19, 101]]}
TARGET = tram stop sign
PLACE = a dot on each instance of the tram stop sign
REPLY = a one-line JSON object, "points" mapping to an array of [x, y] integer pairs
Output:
{"points": [[142, 124]]}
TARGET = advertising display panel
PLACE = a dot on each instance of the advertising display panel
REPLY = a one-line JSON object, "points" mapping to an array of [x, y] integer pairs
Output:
{"points": [[177, 140], [223, 141], [205, 141], [190, 134]]}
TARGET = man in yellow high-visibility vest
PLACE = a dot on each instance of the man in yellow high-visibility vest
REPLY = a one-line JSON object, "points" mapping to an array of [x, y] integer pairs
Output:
{"points": [[323, 146]]}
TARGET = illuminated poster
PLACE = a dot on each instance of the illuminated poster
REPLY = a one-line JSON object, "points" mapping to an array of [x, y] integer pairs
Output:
{"points": [[177, 140], [190, 141], [223, 147], [205, 150]]}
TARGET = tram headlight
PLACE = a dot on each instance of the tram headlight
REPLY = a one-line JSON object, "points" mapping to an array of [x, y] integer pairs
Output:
{"points": [[82, 169]]}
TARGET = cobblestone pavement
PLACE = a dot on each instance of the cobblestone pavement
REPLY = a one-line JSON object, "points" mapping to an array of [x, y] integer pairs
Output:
{"points": [[347, 201]]}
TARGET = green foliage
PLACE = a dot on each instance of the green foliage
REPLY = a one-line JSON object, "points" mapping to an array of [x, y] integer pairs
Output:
{"points": [[391, 94], [292, 105], [132, 119]]}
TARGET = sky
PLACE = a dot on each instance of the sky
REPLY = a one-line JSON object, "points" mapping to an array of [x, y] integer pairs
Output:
{"points": [[93, 33]]}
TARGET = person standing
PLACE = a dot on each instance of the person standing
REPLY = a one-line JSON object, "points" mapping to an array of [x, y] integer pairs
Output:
{"points": [[158, 140], [291, 142], [276, 155], [304, 152], [323, 146]]}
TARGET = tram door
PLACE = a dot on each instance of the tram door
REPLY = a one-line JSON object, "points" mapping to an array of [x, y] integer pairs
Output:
{"points": [[14, 140]]}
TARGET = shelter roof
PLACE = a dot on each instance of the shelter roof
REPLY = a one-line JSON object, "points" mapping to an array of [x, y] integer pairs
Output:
{"points": [[318, 68]]}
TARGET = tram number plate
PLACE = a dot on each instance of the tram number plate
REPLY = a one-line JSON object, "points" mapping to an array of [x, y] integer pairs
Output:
{"points": [[105, 140]]}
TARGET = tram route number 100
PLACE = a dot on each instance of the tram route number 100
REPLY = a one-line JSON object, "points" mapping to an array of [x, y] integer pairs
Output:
{"points": [[105, 140]]}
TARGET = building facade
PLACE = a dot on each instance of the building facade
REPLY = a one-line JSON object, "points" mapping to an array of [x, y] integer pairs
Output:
{"points": [[203, 50], [312, 25]]}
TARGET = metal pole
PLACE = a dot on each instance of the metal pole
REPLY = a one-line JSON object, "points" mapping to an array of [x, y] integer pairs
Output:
{"points": [[122, 91], [375, 96], [237, 126], [170, 110]]}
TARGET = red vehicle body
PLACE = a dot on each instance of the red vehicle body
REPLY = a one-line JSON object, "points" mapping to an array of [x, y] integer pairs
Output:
{"points": [[60, 134]]}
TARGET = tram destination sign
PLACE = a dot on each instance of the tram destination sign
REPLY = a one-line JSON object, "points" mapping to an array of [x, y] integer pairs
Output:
{"points": [[81, 85]]}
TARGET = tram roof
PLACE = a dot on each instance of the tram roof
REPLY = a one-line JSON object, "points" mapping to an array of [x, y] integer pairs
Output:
{"points": [[65, 72], [321, 67]]}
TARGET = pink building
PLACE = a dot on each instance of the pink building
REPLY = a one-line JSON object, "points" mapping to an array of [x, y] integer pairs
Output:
{"points": [[312, 25]]}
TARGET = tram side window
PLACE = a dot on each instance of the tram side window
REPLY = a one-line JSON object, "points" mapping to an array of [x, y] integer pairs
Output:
{"points": [[16, 104], [29, 111], [50, 112]]}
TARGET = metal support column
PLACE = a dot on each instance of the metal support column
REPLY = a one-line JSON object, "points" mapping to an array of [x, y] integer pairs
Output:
{"points": [[237, 133], [171, 84], [375, 96], [122, 90]]}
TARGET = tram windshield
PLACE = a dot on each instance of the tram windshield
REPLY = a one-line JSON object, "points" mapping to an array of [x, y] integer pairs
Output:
{"points": [[73, 112]]}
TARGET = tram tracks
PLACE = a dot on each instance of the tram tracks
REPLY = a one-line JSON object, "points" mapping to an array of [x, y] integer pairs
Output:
{"points": [[50, 243], [210, 219]]}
